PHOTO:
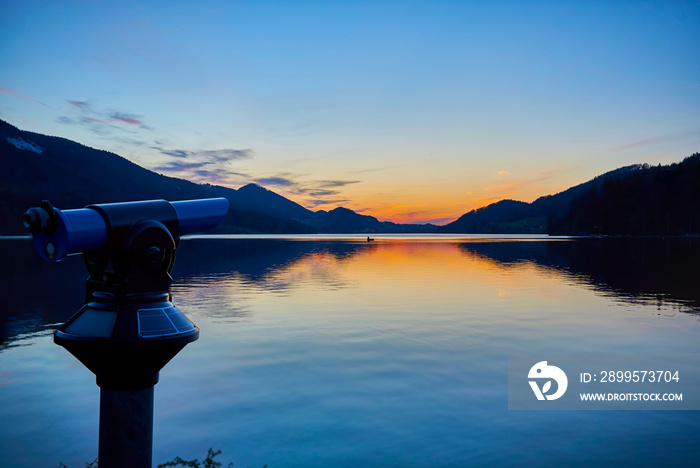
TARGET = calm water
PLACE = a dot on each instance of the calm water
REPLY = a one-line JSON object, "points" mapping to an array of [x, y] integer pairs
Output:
{"points": [[338, 352]]}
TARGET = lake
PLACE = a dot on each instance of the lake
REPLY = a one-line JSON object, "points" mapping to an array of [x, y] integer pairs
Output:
{"points": [[338, 352]]}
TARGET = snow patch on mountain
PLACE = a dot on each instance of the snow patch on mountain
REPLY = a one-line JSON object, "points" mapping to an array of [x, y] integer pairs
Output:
{"points": [[25, 145]]}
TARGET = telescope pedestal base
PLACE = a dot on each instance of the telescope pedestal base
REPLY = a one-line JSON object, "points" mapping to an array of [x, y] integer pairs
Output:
{"points": [[126, 428]]}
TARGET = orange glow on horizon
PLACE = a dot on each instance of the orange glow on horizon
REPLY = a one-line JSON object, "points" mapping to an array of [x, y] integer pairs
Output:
{"points": [[438, 214], [404, 198]]}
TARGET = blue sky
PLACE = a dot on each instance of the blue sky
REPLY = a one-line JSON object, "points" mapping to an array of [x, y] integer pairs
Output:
{"points": [[411, 111]]}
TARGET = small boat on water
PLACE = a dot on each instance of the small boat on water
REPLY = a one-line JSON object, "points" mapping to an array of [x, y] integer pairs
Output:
{"points": [[370, 239]]}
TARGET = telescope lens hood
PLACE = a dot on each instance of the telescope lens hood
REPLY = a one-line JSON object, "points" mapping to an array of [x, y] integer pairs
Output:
{"points": [[42, 219]]}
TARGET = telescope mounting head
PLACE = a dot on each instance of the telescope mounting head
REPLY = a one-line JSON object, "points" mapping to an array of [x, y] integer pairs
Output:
{"points": [[128, 329], [137, 258]]}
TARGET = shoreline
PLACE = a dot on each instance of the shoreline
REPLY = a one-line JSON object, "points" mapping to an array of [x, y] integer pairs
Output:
{"points": [[408, 236]]}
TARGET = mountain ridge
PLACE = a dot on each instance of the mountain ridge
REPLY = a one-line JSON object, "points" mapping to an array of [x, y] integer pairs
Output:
{"points": [[73, 175], [560, 213], [490, 218], [652, 200]]}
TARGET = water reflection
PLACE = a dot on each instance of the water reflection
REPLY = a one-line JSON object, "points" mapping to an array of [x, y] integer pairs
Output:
{"points": [[36, 294], [347, 353], [208, 269], [662, 272], [652, 271], [253, 259]]}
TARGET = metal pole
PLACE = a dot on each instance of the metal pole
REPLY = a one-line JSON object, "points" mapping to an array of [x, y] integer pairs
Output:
{"points": [[126, 428]]}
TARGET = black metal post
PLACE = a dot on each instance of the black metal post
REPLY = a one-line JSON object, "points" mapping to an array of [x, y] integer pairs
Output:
{"points": [[126, 428]]}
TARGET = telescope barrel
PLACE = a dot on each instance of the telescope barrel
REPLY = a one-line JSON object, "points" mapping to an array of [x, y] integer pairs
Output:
{"points": [[195, 216], [65, 232]]}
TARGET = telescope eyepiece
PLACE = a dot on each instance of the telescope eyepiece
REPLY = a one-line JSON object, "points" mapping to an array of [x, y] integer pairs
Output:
{"points": [[42, 219]]}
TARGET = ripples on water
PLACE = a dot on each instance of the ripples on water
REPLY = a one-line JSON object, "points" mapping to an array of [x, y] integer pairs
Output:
{"points": [[339, 352]]}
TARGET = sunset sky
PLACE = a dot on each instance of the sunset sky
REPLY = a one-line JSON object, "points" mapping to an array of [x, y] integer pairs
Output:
{"points": [[412, 111]]}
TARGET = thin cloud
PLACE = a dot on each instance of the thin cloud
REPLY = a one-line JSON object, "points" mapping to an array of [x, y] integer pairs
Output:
{"points": [[658, 139], [129, 119], [225, 155], [66, 120], [22, 119], [90, 119], [310, 194], [92, 115], [319, 192], [315, 203], [204, 166], [80, 105], [174, 153], [222, 155], [177, 166], [15, 94], [98, 127], [336, 183], [22, 97], [501, 173], [512, 189], [362, 171], [513, 186], [214, 176], [276, 181]]}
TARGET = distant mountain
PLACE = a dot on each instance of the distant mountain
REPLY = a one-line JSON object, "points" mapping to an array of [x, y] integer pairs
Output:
{"points": [[345, 220], [253, 197], [34, 167], [71, 175], [652, 200], [637, 200], [505, 216]]}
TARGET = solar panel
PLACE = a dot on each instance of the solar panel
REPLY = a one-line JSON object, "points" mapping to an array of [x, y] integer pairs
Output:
{"points": [[163, 322]]}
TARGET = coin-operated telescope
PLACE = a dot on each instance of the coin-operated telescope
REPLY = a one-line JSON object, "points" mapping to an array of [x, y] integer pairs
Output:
{"points": [[128, 329]]}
